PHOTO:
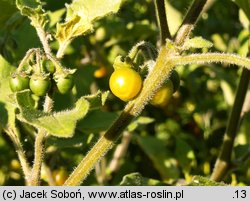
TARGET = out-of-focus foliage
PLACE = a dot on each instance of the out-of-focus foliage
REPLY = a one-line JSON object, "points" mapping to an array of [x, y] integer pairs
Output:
{"points": [[171, 144]]}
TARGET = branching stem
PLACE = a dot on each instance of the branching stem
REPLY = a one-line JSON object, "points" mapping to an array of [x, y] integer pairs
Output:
{"points": [[189, 21]]}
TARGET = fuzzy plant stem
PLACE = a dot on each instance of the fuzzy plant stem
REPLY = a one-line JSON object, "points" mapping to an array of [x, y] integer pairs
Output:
{"points": [[44, 39], [189, 21], [39, 147], [223, 161], [206, 58], [162, 20]]}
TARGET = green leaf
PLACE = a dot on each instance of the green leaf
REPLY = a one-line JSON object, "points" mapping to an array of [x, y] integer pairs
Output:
{"points": [[7, 114], [136, 179], [33, 10], [244, 19], [203, 181], [197, 42], [7, 9], [141, 120], [184, 154], [80, 17], [96, 121], [60, 124], [162, 158], [94, 9], [244, 5]]}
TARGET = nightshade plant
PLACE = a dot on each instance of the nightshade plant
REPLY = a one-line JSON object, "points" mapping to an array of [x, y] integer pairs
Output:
{"points": [[32, 107]]}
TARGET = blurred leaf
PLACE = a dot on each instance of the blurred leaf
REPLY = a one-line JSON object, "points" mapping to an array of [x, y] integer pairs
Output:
{"points": [[7, 8], [244, 5], [203, 181], [174, 18], [96, 121], [184, 154], [162, 158], [243, 39], [136, 179], [197, 42], [80, 17], [56, 16], [33, 10], [227, 92], [219, 42], [141, 120], [60, 124], [7, 114], [243, 19]]}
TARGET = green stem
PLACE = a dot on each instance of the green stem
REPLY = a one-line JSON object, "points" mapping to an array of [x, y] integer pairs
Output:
{"points": [[38, 159], [62, 48], [223, 161], [162, 20], [151, 84], [147, 49], [44, 40], [39, 147], [28, 55], [212, 58], [189, 21]]}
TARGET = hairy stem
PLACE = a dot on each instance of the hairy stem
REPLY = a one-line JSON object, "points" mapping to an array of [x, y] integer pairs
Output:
{"points": [[212, 58], [39, 147], [223, 161], [162, 20], [44, 40], [38, 159], [189, 21], [26, 58], [151, 84]]}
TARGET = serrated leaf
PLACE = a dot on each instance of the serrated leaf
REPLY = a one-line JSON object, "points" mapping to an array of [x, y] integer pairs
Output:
{"points": [[197, 42], [33, 10], [136, 179], [59, 124], [7, 114], [244, 5], [81, 15]]}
